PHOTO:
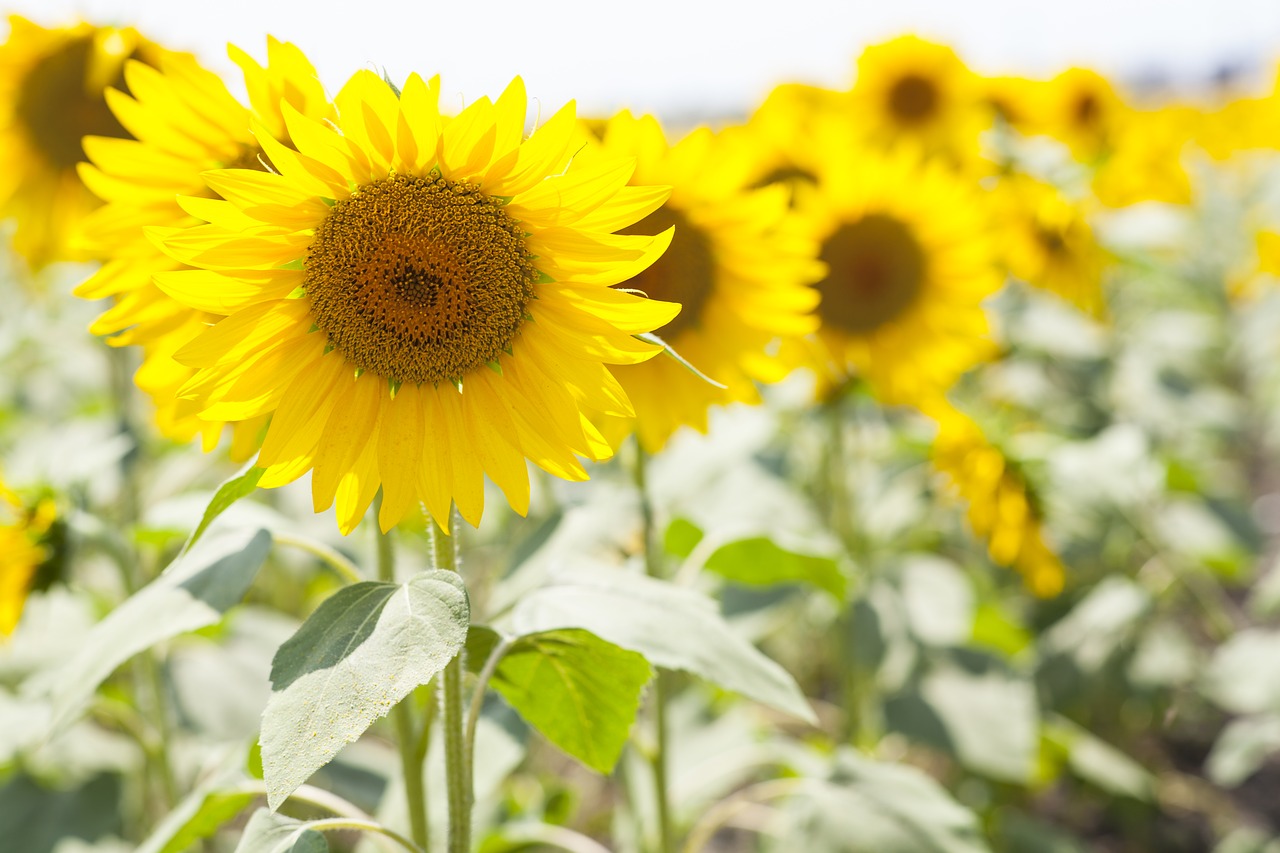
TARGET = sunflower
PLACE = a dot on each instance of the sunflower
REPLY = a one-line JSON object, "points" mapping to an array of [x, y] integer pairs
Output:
{"points": [[738, 264], [1081, 109], [1001, 508], [184, 122], [1014, 101], [417, 300], [916, 91], [52, 84], [25, 549], [909, 263], [779, 135], [1046, 241]]}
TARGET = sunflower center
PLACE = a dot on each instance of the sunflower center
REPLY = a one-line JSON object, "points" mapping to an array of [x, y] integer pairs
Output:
{"points": [[877, 270], [56, 108], [685, 273], [913, 98], [1087, 110], [419, 279]]}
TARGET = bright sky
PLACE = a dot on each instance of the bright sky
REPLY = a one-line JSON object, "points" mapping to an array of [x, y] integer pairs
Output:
{"points": [[695, 55]]}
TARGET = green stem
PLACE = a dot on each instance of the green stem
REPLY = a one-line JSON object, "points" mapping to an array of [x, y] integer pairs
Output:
{"points": [[457, 760], [410, 765], [341, 566], [658, 758]]}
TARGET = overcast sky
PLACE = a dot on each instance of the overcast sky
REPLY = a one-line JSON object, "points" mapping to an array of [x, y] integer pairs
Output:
{"points": [[680, 56]]}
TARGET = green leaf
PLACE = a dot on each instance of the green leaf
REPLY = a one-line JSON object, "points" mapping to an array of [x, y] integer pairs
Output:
{"points": [[759, 561], [198, 816], [241, 485], [682, 537], [359, 654], [651, 338], [974, 707], [1242, 748], [870, 807], [273, 833], [581, 692], [673, 627], [1098, 762], [194, 591], [1244, 675]]}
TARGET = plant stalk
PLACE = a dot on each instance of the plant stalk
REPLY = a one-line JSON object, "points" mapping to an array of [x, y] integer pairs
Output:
{"points": [[457, 760], [658, 758]]}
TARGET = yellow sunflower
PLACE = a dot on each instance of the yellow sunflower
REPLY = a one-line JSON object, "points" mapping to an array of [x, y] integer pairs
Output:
{"points": [[23, 551], [184, 122], [909, 262], [1046, 241], [779, 135], [1081, 109], [916, 91], [1001, 508], [738, 264], [417, 300], [52, 84], [1014, 101]]}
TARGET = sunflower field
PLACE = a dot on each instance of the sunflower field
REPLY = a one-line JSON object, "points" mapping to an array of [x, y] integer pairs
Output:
{"points": [[892, 469]]}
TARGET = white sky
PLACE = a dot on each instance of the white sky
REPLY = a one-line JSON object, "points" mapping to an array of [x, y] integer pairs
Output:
{"points": [[671, 56]]}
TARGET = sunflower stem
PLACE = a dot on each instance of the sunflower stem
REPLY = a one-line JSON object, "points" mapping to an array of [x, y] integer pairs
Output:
{"points": [[457, 760], [411, 759], [653, 567]]}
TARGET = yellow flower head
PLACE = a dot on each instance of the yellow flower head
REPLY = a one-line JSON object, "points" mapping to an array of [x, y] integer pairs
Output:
{"points": [[52, 85], [24, 549], [1046, 241], [738, 265], [780, 134], [1001, 509], [909, 261], [416, 300], [183, 122], [915, 91], [1080, 108]]}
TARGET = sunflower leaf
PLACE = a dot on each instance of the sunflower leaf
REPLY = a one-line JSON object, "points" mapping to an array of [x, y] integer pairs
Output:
{"points": [[272, 833], [362, 651], [243, 484], [580, 692], [193, 592], [651, 338], [673, 627]]}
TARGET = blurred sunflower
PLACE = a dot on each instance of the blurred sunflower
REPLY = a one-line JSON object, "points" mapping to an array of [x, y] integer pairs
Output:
{"points": [[915, 91], [909, 261], [1001, 508], [779, 135], [26, 550], [184, 122], [1014, 101], [738, 264], [1081, 109], [52, 85], [416, 300], [1046, 241]]}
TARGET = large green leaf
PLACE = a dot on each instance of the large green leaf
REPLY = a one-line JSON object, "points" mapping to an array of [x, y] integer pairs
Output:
{"points": [[272, 833], [194, 591], [1244, 675], [870, 807], [673, 627], [581, 692], [759, 561], [359, 654]]}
